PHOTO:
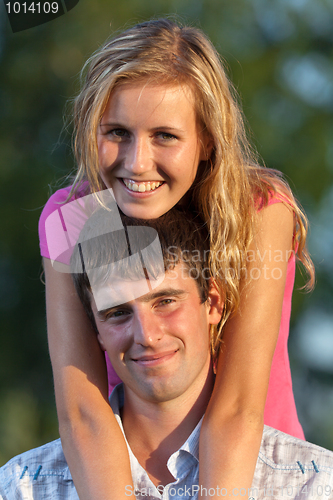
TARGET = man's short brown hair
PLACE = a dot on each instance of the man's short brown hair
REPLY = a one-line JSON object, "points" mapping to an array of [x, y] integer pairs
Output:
{"points": [[183, 238]]}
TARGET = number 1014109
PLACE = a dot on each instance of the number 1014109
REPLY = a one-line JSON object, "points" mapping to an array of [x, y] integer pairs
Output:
{"points": [[32, 7]]}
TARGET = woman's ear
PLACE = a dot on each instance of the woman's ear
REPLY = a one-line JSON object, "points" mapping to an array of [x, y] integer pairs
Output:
{"points": [[215, 303], [207, 144]]}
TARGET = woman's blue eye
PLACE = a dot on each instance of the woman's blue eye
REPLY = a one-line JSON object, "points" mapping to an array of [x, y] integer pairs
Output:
{"points": [[119, 132], [165, 136]]}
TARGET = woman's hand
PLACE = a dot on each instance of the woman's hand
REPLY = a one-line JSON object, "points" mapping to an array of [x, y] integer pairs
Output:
{"points": [[92, 441], [232, 428]]}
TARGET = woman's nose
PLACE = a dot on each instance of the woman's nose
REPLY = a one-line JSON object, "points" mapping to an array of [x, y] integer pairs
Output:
{"points": [[138, 156]]}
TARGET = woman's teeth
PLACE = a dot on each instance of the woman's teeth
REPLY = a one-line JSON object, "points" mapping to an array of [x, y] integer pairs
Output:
{"points": [[141, 187]]}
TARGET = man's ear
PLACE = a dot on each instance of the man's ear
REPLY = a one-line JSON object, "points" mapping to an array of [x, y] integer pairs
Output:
{"points": [[215, 303], [101, 343], [94, 312]]}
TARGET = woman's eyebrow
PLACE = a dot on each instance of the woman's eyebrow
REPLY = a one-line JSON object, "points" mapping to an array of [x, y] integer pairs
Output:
{"points": [[166, 127], [112, 124]]}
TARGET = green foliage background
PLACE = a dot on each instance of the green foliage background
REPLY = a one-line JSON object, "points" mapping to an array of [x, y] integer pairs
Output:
{"points": [[280, 57]]}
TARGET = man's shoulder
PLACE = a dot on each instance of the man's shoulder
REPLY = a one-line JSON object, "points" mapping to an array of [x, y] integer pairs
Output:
{"points": [[278, 448], [288, 466], [37, 474]]}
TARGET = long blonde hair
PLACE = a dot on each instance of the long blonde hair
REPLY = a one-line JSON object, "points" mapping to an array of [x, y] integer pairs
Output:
{"points": [[230, 183]]}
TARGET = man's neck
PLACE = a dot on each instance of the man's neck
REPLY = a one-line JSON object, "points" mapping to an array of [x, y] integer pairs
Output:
{"points": [[155, 431]]}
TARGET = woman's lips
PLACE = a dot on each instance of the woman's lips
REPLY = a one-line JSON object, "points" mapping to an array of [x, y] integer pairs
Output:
{"points": [[142, 187]]}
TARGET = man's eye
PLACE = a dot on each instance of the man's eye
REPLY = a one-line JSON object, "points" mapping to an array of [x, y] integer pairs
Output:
{"points": [[166, 302], [116, 314]]}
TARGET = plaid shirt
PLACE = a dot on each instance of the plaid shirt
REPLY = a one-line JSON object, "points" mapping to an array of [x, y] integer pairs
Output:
{"points": [[287, 468]]}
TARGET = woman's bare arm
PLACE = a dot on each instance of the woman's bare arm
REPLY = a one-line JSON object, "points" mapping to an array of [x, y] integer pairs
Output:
{"points": [[233, 424], [92, 441]]}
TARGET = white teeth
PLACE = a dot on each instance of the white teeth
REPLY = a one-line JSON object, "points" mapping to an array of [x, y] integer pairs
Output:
{"points": [[141, 187]]}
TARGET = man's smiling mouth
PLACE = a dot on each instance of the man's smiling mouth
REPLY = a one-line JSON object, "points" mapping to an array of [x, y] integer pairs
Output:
{"points": [[142, 187], [154, 358]]}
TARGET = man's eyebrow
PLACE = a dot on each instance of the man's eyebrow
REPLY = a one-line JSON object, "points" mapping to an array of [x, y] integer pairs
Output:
{"points": [[167, 292], [170, 292]]}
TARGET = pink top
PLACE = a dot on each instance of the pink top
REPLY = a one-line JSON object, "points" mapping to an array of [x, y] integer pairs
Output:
{"points": [[280, 410]]}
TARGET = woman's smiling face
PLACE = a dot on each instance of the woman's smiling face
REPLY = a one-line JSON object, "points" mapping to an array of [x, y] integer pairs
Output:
{"points": [[149, 147]]}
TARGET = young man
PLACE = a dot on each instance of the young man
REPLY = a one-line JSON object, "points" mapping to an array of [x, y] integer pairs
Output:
{"points": [[161, 344]]}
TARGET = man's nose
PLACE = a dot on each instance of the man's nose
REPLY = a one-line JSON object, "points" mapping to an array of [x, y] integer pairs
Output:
{"points": [[138, 156], [146, 329]]}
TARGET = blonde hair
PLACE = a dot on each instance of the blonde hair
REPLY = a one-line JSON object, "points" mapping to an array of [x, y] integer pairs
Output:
{"points": [[230, 186]]}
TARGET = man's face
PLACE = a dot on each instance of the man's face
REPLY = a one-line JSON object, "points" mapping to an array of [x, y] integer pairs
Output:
{"points": [[159, 343]]}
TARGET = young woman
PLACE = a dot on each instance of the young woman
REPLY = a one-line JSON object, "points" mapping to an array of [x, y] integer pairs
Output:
{"points": [[157, 121]]}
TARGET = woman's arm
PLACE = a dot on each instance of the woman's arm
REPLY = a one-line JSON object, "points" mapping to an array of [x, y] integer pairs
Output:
{"points": [[92, 441], [233, 424]]}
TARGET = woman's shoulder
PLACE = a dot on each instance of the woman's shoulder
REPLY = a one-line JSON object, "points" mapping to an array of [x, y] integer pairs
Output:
{"points": [[271, 197], [58, 197], [56, 200]]}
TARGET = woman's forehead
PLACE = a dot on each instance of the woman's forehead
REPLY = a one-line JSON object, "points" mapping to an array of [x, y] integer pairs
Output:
{"points": [[155, 84], [167, 92], [151, 99]]}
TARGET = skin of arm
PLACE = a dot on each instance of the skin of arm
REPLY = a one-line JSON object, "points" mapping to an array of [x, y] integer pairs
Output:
{"points": [[232, 427], [92, 441]]}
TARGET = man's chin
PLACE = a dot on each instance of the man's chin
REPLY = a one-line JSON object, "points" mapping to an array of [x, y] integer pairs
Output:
{"points": [[158, 391]]}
